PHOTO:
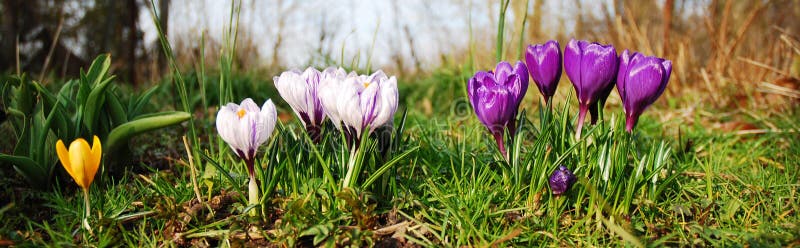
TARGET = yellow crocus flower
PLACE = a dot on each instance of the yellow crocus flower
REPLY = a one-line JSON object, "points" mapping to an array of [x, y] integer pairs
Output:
{"points": [[81, 162]]}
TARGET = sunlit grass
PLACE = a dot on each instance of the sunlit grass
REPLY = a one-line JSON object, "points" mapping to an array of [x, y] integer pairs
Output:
{"points": [[435, 180]]}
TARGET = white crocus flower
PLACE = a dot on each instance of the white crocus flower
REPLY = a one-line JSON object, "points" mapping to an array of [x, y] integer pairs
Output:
{"points": [[329, 93], [245, 127], [356, 104], [360, 101]]}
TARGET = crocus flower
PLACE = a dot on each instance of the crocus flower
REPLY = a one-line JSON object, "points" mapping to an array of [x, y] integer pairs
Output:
{"points": [[591, 67], [300, 90], [561, 180], [495, 97], [81, 162], [640, 81], [245, 127], [356, 105], [544, 64], [360, 103]]}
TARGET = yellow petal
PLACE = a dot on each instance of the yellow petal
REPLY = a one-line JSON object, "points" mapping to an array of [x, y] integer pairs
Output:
{"points": [[78, 155], [63, 156], [93, 161]]}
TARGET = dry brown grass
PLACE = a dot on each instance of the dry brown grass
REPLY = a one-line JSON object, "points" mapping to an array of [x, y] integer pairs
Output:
{"points": [[733, 61]]}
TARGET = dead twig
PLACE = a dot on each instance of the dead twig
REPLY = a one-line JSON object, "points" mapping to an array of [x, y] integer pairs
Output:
{"points": [[695, 174], [762, 65], [52, 49], [192, 170]]}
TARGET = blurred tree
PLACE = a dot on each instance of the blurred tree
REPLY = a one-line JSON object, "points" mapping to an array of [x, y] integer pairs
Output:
{"points": [[30, 26], [84, 29], [163, 15]]}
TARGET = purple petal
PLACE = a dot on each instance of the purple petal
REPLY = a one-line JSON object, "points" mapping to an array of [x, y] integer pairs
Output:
{"points": [[572, 64], [312, 76], [519, 83], [370, 104], [472, 85], [667, 72], [599, 66], [492, 107], [249, 105], [377, 77], [644, 84], [624, 64], [502, 71], [481, 79]]}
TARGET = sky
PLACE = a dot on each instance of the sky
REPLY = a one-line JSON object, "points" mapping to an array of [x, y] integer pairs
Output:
{"points": [[436, 26]]}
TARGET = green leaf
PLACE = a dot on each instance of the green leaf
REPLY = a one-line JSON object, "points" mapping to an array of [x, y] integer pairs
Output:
{"points": [[48, 98], [216, 165], [120, 135], [320, 232], [98, 69], [136, 104], [117, 112], [29, 169], [23, 98], [94, 103]]}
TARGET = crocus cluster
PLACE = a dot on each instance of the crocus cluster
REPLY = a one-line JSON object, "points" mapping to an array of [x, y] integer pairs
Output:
{"points": [[353, 102], [359, 103], [356, 104], [593, 68]]}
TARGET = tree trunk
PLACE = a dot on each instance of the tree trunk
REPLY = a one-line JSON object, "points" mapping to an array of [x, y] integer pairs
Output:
{"points": [[163, 21], [668, 6], [133, 40]]}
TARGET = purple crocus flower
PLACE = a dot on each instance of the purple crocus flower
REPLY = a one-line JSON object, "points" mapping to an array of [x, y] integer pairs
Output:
{"points": [[544, 64], [561, 180], [640, 81], [300, 90], [495, 97], [591, 67]]}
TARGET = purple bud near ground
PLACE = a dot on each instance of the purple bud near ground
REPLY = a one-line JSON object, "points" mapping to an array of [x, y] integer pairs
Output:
{"points": [[544, 65], [592, 68], [561, 180], [495, 97], [641, 80]]}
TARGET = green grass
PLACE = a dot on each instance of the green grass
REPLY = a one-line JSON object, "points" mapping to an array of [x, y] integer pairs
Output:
{"points": [[436, 179], [450, 189]]}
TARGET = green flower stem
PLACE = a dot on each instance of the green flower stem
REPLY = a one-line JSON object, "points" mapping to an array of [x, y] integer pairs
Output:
{"points": [[253, 194], [351, 164], [87, 206], [252, 187]]}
